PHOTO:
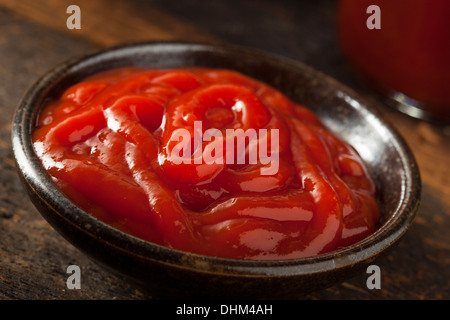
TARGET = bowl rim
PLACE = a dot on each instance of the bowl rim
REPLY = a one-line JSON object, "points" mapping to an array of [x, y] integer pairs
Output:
{"points": [[38, 180]]}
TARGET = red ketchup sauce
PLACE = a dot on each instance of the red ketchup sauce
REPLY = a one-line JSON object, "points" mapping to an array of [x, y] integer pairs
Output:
{"points": [[409, 54], [107, 142]]}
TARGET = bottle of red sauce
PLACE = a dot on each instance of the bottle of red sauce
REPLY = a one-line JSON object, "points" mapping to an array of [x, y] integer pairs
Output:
{"points": [[407, 58]]}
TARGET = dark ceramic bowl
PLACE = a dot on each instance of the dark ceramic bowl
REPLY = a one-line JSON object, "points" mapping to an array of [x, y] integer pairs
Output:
{"points": [[170, 273]]}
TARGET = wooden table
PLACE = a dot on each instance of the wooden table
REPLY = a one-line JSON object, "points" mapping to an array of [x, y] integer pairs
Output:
{"points": [[34, 38]]}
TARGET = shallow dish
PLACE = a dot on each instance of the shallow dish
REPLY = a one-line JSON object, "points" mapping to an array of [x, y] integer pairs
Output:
{"points": [[170, 273]]}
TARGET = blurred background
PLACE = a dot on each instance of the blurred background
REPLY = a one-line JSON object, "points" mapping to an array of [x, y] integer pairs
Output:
{"points": [[34, 37]]}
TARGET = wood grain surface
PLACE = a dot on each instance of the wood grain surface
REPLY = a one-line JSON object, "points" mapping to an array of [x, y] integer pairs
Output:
{"points": [[34, 38]]}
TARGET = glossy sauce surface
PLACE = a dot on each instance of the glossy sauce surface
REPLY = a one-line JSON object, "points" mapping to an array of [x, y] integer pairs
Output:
{"points": [[108, 141]]}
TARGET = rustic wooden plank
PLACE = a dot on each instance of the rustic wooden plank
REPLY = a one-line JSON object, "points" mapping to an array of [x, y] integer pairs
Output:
{"points": [[108, 23]]}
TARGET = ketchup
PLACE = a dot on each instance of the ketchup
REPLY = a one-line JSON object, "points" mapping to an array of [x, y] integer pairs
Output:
{"points": [[108, 144], [409, 55]]}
